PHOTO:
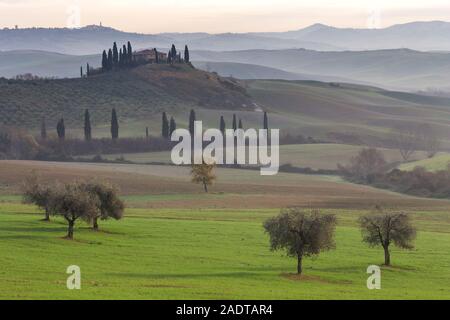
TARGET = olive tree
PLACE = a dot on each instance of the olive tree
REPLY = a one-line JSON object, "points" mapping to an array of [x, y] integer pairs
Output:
{"points": [[37, 193], [301, 233], [203, 174], [73, 202], [109, 204], [380, 228]]}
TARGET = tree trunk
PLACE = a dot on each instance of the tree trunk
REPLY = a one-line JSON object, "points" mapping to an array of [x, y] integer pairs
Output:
{"points": [[47, 215], [95, 224], [299, 264], [70, 230], [387, 256]]}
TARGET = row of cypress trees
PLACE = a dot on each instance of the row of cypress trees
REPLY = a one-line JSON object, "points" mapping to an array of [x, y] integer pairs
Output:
{"points": [[117, 57], [61, 127], [168, 127]]}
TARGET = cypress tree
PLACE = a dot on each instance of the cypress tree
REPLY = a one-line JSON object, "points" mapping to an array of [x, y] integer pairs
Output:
{"points": [[172, 126], [87, 126], [81, 71], [115, 55], [104, 60], [61, 129], [88, 69], [266, 121], [192, 118], [240, 124], [130, 53], [186, 54], [114, 125], [173, 52], [156, 56], [43, 129], [120, 57], [110, 59], [165, 126], [146, 133], [234, 122], [125, 55], [222, 125]]}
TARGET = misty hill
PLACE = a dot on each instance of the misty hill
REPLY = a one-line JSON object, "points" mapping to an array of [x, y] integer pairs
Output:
{"points": [[94, 39], [136, 93], [422, 36], [44, 64], [425, 36], [253, 71], [400, 69]]}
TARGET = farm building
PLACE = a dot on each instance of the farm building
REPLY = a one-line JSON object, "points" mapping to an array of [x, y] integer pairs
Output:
{"points": [[148, 56]]}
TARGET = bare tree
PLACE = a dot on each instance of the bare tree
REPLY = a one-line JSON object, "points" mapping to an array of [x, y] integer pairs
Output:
{"points": [[407, 140], [381, 228], [365, 166], [203, 174], [301, 233], [110, 206], [429, 140], [38, 193]]}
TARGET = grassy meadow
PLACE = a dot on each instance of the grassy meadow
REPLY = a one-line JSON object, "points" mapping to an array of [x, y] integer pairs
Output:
{"points": [[205, 254], [176, 242]]}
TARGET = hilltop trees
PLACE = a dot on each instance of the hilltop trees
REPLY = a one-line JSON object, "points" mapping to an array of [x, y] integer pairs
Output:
{"points": [[114, 125], [203, 174], [186, 54], [129, 53], [115, 54], [87, 126], [301, 234], [104, 61], [381, 228]]}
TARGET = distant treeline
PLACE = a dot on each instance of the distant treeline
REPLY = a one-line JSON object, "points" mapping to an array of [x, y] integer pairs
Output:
{"points": [[369, 167]]}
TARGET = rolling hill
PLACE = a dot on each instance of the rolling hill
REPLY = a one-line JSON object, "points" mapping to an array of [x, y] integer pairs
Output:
{"points": [[400, 69], [337, 112], [44, 64], [135, 93]]}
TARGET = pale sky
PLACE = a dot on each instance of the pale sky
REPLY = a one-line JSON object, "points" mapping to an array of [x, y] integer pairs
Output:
{"points": [[155, 16]]}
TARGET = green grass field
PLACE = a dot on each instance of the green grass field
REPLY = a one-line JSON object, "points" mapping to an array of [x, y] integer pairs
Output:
{"points": [[438, 162], [207, 254]]}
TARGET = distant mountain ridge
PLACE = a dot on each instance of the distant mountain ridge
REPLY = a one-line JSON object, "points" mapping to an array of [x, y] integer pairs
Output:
{"points": [[422, 36]]}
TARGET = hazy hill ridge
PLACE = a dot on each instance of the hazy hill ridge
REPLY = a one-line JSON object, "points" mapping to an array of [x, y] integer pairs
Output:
{"points": [[425, 36]]}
